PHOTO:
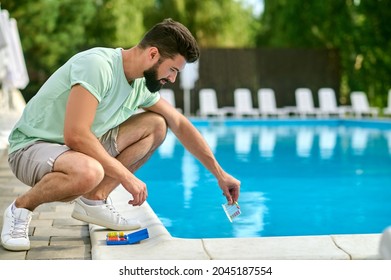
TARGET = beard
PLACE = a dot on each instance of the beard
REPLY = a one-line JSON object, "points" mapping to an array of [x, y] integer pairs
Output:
{"points": [[152, 82]]}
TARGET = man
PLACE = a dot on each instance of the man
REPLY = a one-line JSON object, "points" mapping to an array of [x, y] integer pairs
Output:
{"points": [[78, 137]]}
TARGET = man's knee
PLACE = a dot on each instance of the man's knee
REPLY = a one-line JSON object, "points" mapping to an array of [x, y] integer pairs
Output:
{"points": [[158, 126], [85, 172], [91, 174], [148, 126]]}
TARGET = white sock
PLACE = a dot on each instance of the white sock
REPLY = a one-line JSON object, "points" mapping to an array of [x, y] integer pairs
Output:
{"points": [[92, 202]]}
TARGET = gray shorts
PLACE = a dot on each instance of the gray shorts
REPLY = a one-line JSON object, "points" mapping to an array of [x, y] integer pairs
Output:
{"points": [[32, 162]]}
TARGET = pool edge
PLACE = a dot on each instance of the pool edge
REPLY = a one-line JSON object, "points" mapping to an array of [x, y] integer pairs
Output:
{"points": [[162, 246]]}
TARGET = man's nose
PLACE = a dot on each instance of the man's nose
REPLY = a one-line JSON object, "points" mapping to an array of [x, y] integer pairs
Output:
{"points": [[172, 77]]}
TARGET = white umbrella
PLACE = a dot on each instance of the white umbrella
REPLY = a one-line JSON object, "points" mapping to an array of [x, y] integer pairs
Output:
{"points": [[15, 67], [188, 77]]}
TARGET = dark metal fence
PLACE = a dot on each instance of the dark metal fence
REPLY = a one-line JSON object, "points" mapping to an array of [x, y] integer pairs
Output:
{"points": [[283, 70]]}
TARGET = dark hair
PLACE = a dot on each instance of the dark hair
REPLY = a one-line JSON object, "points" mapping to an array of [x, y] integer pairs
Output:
{"points": [[171, 38]]}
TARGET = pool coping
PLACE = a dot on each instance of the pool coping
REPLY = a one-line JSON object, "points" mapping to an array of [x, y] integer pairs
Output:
{"points": [[162, 246]]}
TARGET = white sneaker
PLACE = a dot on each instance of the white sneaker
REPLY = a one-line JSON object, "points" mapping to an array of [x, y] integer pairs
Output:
{"points": [[14, 235], [103, 215]]}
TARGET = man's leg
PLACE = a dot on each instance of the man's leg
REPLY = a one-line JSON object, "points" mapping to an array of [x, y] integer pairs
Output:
{"points": [[137, 139], [63, 183], [73, 175]]}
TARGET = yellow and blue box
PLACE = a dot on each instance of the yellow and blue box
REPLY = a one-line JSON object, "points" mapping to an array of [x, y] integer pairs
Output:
{"points": [[120, 238]]}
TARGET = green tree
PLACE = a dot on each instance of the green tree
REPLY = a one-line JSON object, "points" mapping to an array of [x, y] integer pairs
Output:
{"points": [[371, 70], [117, 23], [101, 31], [358, 29], [129, 18], [214, 23], [50, 31]]}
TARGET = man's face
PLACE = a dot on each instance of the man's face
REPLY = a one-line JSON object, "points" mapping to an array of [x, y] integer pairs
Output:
{"points": [[152, 82], [162, 72]]}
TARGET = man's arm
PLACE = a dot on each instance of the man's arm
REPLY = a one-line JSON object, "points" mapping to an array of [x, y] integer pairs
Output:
{"points": [[193, 141], [79, 117]]}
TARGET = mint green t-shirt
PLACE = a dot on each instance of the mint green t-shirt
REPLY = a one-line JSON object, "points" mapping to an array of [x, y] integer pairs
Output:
{"points": [[100, 71]]}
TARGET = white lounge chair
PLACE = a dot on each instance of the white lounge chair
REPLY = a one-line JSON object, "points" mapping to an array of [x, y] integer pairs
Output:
{"points": [[305, 103], [267, 104], [209, 105], [243, 103], [387, 110], [328, 103], [360, 105], [169, 96]]}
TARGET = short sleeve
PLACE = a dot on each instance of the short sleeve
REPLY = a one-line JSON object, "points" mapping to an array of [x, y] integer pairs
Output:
{"points": [[151, 99], [147, 98], [93, 72]]}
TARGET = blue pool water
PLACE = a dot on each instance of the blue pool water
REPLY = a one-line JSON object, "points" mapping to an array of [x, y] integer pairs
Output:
{"points": [[298, 178]]}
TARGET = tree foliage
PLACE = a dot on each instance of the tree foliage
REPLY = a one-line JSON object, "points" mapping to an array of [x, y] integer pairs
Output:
{"points": [[358, 29], [51, 31], [218, 23]]}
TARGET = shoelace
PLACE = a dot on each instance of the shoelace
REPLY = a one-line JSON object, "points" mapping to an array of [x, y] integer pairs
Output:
{"points": [[111, 208], [20, 228]]}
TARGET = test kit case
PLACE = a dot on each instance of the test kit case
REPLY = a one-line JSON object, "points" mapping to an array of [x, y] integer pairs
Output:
{"points": [[120, 238]]}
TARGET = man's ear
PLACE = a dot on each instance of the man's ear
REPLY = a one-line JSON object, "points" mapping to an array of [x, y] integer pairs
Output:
{"points": [[154, 53]]}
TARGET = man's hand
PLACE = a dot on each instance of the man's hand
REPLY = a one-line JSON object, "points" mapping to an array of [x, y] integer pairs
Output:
{"points": [[230, 187], [138, 189]]}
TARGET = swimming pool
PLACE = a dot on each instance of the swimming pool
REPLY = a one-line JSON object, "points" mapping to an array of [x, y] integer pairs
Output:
{"points": [[299, 177]]}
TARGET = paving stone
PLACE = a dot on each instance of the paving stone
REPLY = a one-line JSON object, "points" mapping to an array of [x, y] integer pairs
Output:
{"points": [[64, 207], [62, 231], [54, 215], [39, 241], [75, 241], [41, 223], [9, 255], [61, 252], [68, 222]]}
